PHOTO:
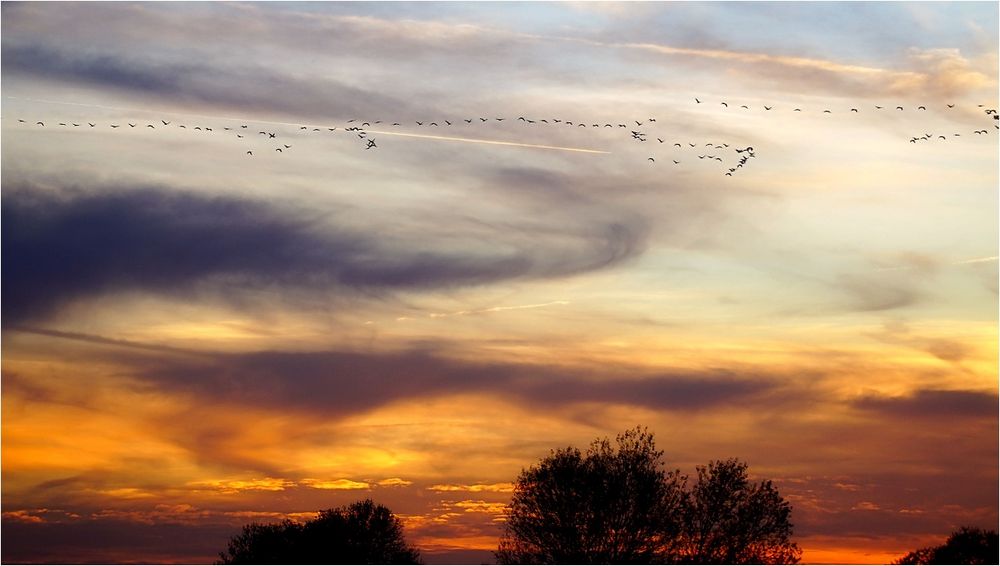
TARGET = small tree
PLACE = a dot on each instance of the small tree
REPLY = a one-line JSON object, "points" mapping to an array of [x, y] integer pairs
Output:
{"points": [[607, 506], [360, 533], [967, 545], [729, 520]]}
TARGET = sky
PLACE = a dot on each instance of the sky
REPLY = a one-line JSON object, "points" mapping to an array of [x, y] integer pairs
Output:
{"points": [[747, 247]]}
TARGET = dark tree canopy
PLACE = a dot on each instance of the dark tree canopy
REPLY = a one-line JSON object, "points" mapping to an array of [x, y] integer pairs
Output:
{"points": [[610, 505], [729, 520], [360, 533], [967, 545], [619, 505]]}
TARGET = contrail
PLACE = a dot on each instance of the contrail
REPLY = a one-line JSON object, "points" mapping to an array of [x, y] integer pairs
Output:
{"points": [[492, 142], [256, 121], [481, 311]]}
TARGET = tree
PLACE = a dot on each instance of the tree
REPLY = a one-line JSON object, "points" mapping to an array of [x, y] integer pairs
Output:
{"points": [[360, 533], [619, 505], [607, 506], [968, 545], [729, 520]]}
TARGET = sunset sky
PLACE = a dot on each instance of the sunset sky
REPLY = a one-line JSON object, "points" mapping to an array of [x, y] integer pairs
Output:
{"points": [[195, 337]]}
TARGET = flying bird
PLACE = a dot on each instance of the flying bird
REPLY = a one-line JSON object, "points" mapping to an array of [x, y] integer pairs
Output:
{"points": [[165, 123], [278, 149], [899, 108], [768, 107], [724, 104], [131, 124], [921, 108], [697, 101], [854, 109], [249, 153], [651, 159], [39, 123], [951, 106]]}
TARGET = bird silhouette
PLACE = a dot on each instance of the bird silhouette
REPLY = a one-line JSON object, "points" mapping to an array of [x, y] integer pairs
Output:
{"points": [[768, 107], [131, 125], [724, 104], [22, 121], [420, 123], [951, 106], [697, 101], [270, 135], [114, 125], [165, 123], [744, 106], [199, 128], [62, 123], [433, 124], [675, 161], [827, 112], [854, 109], [303, 128], [286, 146], [470, 121], [877, 107], [899, 108], [249, 153], [921, 108], [651, 159], [150, 126], [278, 149], [447, 122], [39, 123], [797, 110]]}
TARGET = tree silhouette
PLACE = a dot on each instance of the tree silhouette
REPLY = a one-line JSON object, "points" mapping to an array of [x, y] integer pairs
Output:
{"points": [[607, 506], [360, 533], [619, 505], [729, 520], [968, 545]]}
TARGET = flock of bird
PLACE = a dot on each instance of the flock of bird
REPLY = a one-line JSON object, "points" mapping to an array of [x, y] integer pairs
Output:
{"points": [[363, 131]]}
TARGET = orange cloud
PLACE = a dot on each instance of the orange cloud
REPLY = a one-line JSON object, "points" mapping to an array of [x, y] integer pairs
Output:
{"points": [[505, 487]]}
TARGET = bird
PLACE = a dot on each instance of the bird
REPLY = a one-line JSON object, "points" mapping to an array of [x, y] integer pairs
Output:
{"points": [[278, 149], [114, 125], [951, 106], [651, 159], [270, 135], [499, 119], [365, 124], [39, 123], [768, 107], [659, 140], [470, 121], [942, 137], [921, 108], [675, 161], [244, 126], [303, 128], [150, 126], [744, 106], [22, 121], [331, 129], [797, 110], [131, 124], [395, 123], [199, 127], [697, 101], [650, 119], [239, 136], [75, 125], [638, 123], [854, 109], [899, 108], [249, 153], [482, 119], [447, 122], [678, 145], [182, 126], [371, 144], [286, 146], [420, 123], [827, 112], [724, 104], [433, 124], [62, 123], [691, 144], [877, 107], [165, 123], [729, 174], [207, 129]]}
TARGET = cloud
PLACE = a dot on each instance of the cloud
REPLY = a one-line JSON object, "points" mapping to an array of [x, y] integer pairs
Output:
{"points": [[334, 484], [246, 88], [932, 403], [58, 248], [505, 487]]}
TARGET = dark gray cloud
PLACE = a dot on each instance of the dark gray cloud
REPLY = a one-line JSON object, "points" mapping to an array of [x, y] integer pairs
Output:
{"points": [[338, 383], [933, 403], [61, 247], [247, 87]]}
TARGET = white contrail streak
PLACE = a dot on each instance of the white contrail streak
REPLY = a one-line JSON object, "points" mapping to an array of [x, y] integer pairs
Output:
{"points": [[256, 121], [977, 260], [483, 311], [492, 142]]}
